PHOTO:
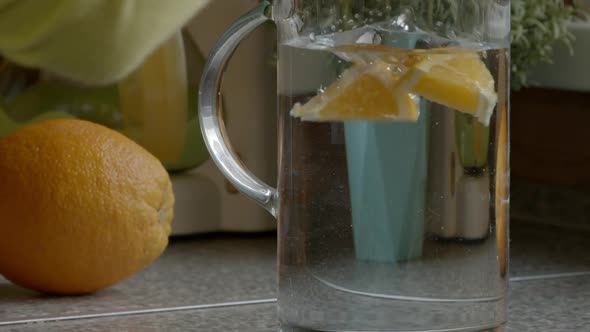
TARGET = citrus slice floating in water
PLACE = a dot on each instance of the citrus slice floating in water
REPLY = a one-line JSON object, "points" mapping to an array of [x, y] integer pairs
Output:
{"points": [[368, 92], [460, 81], [384, 85]]}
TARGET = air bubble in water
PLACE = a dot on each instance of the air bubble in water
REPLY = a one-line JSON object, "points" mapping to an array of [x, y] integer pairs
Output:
{"points": [[405, 21]]}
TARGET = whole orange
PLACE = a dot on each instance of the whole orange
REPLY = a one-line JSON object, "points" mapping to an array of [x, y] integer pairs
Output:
{"points": [[83, 207]]}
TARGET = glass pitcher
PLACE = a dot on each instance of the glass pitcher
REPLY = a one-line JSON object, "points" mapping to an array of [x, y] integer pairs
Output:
{"points": [[393, 176], [152, 105]]}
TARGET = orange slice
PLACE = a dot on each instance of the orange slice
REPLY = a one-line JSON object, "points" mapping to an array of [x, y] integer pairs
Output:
{"points": [[368, 92], [460, 81]]}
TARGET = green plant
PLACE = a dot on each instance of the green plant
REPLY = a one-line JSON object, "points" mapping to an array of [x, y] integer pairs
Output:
{"points": [[536, 26]]}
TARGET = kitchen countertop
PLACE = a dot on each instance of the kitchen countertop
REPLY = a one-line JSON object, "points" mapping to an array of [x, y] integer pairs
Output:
{"points": [[226, 282]]}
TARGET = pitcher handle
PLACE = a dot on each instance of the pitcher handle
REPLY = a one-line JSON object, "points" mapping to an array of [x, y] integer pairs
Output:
{"points": [[212, 125]]}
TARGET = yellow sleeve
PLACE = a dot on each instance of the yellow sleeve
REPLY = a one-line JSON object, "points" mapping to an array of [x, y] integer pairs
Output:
{"points": [[93, 41]]}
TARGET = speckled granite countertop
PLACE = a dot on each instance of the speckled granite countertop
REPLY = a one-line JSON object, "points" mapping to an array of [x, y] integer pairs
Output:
{"points": [[227, 283]]}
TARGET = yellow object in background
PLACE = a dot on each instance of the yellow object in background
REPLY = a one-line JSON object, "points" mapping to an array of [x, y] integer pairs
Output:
{"points": [[154, 102], [83, 207], [93, 41]]}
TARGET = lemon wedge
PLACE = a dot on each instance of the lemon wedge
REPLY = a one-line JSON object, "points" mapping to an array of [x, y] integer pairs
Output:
{"points": [[460, 81], [369, 92]]}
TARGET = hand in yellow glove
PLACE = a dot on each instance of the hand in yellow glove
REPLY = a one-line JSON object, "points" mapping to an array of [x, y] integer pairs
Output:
{"points": [[92, 41]]}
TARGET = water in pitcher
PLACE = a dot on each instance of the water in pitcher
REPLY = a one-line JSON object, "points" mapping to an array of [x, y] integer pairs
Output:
{"points": [[392, 225]]}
